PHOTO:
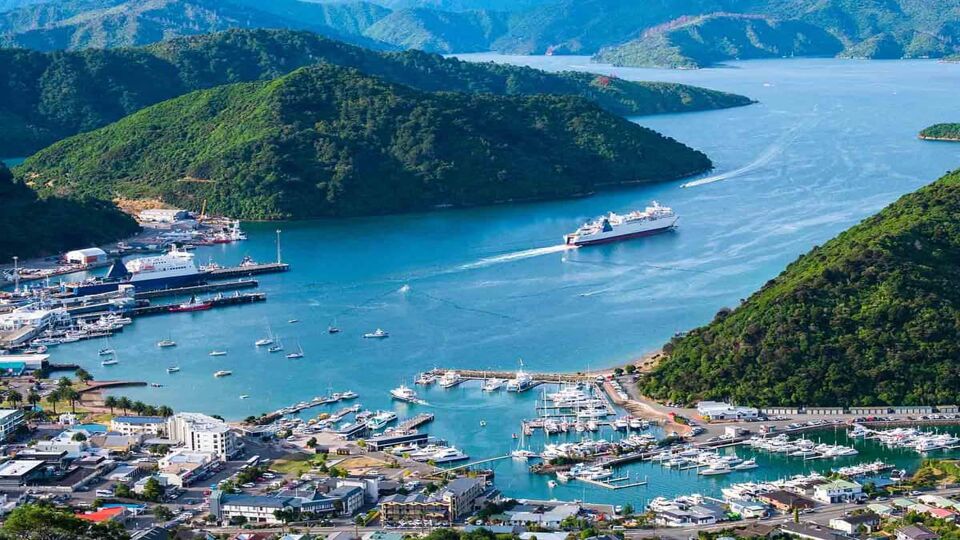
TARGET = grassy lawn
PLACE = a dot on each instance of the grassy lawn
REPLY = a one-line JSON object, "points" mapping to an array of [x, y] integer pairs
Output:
{"points": [[296, 464]]}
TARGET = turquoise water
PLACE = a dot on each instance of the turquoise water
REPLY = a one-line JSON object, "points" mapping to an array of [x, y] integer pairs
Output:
{"points": [[12, 161], [829, 143]]}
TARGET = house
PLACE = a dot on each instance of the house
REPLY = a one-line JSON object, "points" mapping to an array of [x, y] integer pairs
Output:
{"points": [[838, 491], [856, 523], [883, 510], [916, 532], [941, 513], [446, 505], [937, 501], [809, 531], [182, 467], [153, 426], [748, 509], [785, 501]]}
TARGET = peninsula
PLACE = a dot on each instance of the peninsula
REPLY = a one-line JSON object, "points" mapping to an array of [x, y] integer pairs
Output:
{"points": [[941, 132]]}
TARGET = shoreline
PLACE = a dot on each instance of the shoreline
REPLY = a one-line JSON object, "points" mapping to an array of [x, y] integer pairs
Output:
{"points": [[941, 139]]}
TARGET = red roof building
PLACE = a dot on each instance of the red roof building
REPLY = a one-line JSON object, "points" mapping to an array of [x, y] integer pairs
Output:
{"points": [[104, 515]]}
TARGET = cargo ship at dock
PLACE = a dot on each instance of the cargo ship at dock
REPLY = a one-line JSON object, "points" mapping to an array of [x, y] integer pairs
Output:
{"points": [[173, 269], [615, 227]]}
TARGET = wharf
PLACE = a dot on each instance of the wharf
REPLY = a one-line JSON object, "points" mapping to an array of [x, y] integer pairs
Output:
{"points": [[94, 386], [415, 421], [197, 289], [538, 378], [239, 299], [613, 483], [248, 270]]}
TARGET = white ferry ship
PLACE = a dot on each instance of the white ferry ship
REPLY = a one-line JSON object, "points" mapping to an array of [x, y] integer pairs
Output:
{"points": [[173, 269], [614, 227]]}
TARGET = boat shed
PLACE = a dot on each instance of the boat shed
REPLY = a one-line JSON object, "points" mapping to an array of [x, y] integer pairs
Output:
{"points": [[86, 256]]}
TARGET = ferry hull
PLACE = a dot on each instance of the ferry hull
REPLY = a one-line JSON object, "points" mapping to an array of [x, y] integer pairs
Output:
{"points": [[144, 285], [575, 241]]}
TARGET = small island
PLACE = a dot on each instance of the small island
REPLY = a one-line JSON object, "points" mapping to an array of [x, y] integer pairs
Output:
{"points": [[942, 132]]}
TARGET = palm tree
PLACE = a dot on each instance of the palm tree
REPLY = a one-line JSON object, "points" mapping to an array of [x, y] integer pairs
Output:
{"points": [[15, 398], [83, 375], [165, 411], [110, 402], [138, 407], [53, 398], [150, 410], [33, 397], [125, 404], [64, 383], [73, 397]]}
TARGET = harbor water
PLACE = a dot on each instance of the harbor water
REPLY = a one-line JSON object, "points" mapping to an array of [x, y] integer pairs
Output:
{"points": [[829, 143]]}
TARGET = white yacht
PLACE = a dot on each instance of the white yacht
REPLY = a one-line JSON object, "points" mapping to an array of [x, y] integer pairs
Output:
{"points": [[381, 419], [520, 382], [450, 379], [379, 333], [218, 353], [223, 373], [405, 393], [492, 384], [173, 369], [110, 362]]}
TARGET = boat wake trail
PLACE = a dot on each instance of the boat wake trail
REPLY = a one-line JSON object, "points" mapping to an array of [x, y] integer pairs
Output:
{"points": [[764, 158], [515, 256]]}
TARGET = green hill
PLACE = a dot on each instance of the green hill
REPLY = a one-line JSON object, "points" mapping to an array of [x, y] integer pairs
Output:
{"points": [[696, 42], [869, 318], [329, 141], [31, 226], [439, 31], [942, 132], [49, 96]]}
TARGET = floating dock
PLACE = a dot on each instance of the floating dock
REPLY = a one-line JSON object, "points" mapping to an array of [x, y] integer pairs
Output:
{"points": [[248, 270], [613, 483]]}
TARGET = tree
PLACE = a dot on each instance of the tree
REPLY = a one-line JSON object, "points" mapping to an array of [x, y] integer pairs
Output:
{"points": [[286, 515], [627, 509], [110, 402], [139, 407], [312, 442], [165, 411], [357, 523], [123, 491], [162, 513], [71, 396], [152, 490], [125, 404], [83, 375], [14, 397], [39, 521], [33, 397], [55, 397]]}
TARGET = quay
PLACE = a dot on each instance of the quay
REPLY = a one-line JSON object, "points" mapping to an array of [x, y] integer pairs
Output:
{"points": [[538, 378], [248, 270], [239, 299], [613, 483], [94, 386], [197, 289]]}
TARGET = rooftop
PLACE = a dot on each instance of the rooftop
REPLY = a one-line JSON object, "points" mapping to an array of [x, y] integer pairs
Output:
{"points": [[4, 413], [19, 467], [105, 514], [139, 420]]}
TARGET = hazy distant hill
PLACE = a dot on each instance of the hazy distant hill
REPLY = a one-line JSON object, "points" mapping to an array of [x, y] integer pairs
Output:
{"points": [[48, 96], [869, 318], [701, 41], [330, 141], [116, 23]]}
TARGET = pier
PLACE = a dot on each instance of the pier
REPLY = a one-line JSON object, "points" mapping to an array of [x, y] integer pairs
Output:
{"points": [[94, 386], [198, 289], [538, 378], [622, 482], [239, 299], [248, 270], [415, 421]]}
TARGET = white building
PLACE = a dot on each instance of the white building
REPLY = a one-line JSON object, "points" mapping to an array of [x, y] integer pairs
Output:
{"points": [[10, 421], [163, 215], [838, 491], [152, 426], [87, 256], [181, 467], [36, 318], [717, 410], [201, 433]]}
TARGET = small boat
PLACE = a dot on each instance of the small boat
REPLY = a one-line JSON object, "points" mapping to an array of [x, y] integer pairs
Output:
{"points": [[192, 305], [165, 343], [110, 362], [745, 465], [297, 354], [293, 321], [218, 353], [105, 352], [404, 393], [244, 396], [715, 469], [492, 385], [278, 347], [483, 423], [551, 483], [333, 330], [379, 333], [156, 385], [222, 373], [263, 342], [173, 369], [349, 394]]}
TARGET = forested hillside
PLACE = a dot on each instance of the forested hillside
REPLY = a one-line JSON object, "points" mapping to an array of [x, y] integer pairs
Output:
{"points": [[330, 141], [943, 132], [869, 318], [32, 226], [46, 97]]}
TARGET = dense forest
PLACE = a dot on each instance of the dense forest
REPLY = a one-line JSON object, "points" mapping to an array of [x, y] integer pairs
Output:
{"points": [[46, 97], [869, 318], [32, 226], [703, 41], [330, 141], [943, 132], [869, 29]]}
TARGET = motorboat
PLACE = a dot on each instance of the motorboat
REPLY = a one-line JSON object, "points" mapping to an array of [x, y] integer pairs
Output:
{"points": [[173, 369], [746, 465], [110, 362], [405, 393], [218, 353], [379, 333], [103, 352], [296, 354], [223, 373], [715, 470], [492, 384], [166, 343], [450, 379]]}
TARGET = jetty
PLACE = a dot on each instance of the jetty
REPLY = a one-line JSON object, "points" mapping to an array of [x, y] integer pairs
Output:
{"points": [[415, 421], [248, 270], [538, 378], [612, 483], [238, 299], [94, 386], [198, 289]]}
